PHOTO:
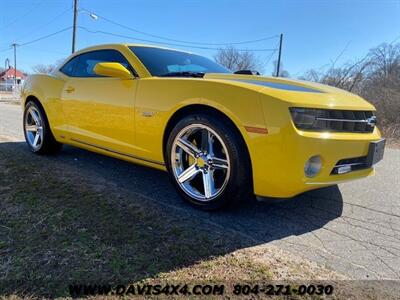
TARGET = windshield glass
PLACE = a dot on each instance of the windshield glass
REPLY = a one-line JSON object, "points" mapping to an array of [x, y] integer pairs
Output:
{"points": [[164, 62]]}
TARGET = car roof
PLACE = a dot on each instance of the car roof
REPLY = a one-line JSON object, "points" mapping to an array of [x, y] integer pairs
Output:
{"points": [[104, 46]]}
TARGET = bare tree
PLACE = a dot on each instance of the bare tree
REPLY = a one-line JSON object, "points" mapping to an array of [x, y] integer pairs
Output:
{"points": [[44, 69], [348, 77], [282, 71], [376, 77], [236, 60], [382, 85], [385, 60]]}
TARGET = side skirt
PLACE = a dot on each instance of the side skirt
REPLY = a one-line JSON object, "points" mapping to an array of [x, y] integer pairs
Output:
{"points": [[126, 156]]}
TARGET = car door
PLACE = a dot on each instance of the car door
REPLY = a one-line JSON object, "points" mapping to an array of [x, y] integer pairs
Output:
{"points": [[100, 110]]}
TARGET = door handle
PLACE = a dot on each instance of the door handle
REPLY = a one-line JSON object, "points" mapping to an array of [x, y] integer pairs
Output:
{"points": [[70, 89]]}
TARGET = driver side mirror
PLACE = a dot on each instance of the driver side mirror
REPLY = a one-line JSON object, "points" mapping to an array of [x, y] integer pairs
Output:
{"points": [[112, 69]]}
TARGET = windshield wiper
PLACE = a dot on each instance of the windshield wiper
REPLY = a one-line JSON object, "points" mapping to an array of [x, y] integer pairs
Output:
{"points": [[183, 74]]}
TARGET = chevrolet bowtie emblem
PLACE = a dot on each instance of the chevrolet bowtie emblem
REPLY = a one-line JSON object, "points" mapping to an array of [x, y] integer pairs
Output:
{"points": [[371, 121]]}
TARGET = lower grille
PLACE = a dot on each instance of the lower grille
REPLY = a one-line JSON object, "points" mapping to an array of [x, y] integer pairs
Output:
{"points": [[350, 164]]}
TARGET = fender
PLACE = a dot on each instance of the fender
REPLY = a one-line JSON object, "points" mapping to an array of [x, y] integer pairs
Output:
{"points": [[50, 99]]}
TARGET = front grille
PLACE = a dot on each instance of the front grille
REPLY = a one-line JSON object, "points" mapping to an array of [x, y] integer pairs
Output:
{"points": [[351, 164], [345, 121]]}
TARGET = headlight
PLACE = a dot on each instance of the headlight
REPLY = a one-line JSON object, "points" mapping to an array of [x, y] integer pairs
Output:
{"points": [[304, 118]]}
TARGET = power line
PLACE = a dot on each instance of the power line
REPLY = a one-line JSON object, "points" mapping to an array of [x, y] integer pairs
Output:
{"points": [[164, 43], [47, 50], [55, 18], [341, 53], [45, 37], [5, 49], [14, 45], [270, 56], [180, 41], [145, 40], [23, 16]]}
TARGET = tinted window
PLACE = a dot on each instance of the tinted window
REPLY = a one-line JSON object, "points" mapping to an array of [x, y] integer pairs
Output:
{"points": [[68, 68], [87, 62], [162, 61]]}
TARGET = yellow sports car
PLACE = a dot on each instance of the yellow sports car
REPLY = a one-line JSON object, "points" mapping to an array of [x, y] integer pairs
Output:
{"points": [[220, 135]]}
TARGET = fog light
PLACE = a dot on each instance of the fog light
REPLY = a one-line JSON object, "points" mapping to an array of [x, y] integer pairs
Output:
{"points": [[313, 166]]}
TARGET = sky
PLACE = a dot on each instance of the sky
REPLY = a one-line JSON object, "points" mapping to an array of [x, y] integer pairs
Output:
{"points": [[315, 33]]}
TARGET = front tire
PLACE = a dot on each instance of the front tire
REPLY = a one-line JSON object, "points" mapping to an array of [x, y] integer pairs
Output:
{"points": [[37, 131], [207, 162]]}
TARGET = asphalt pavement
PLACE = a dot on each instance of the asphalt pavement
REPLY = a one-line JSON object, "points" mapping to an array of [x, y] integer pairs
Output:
{"points": [[353, 228]]}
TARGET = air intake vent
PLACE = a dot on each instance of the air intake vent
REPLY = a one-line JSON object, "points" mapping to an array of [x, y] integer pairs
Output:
{"points": [[349, 164], [247, 72]]}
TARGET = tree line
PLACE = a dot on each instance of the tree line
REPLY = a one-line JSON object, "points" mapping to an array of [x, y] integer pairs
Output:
{"points": [[375, 77]]}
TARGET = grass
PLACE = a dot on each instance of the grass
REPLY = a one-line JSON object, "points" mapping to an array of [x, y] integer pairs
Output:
{"points": [[58, 228], [54, 229]]}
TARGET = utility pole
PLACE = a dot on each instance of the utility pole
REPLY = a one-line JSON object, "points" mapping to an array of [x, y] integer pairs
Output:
{"points": [[278, 66], [74, 25], [15, 64]]}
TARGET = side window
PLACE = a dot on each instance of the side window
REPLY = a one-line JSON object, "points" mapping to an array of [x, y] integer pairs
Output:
{"points": [[87, 62], [68, 68]]}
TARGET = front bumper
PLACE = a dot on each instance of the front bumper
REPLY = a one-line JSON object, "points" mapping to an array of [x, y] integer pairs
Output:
{"points": [[279, 169]]}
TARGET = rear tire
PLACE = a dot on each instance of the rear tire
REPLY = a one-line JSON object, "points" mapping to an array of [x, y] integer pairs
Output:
{"points": [[207, 162], [37, 131]]}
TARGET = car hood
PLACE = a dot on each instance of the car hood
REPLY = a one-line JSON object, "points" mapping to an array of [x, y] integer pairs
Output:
{"points": [[295, 92]]}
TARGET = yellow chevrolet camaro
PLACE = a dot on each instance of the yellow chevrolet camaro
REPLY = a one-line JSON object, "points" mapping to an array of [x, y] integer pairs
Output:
{"points": [[220, 135]]}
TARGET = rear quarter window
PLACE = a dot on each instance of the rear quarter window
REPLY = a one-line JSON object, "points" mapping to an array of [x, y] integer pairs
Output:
{"points": [[69, 67]]}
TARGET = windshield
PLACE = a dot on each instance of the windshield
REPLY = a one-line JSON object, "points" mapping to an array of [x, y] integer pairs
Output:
{"points": [[164, 62]]}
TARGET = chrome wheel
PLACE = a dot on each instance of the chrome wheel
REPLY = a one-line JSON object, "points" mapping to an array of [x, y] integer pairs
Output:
{"points": [[34, 128], [200, 162]]}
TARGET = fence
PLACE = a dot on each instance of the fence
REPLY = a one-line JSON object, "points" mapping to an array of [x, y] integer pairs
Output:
{"points": [[9, 91]]}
